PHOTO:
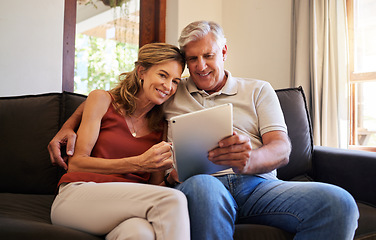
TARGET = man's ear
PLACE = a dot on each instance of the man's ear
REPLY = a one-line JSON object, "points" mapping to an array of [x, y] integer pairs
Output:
{"points": [[224, 52]]}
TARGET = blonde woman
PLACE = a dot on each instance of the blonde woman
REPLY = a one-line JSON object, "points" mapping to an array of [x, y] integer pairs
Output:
{"points": [[111, 186]]}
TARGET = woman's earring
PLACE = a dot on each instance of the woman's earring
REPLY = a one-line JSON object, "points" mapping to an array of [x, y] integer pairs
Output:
{"points": [[142, 81]]}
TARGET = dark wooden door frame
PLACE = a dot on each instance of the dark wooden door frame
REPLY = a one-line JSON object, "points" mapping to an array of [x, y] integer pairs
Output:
{"points": [[152, 29]]}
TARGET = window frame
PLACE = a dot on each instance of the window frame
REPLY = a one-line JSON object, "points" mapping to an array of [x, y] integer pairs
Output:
{"points": [[355, 78], [152, 29]]}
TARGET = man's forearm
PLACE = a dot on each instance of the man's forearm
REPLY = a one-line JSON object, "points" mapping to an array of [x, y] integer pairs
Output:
{"points": [[74, 121], [269, 157]]}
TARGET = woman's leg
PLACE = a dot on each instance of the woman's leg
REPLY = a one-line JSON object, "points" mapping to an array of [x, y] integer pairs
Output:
{"points": [[132, 229], [98, 208]]}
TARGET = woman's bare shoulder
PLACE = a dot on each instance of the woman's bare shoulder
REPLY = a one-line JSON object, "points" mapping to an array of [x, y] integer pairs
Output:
{"points": [[99, 100]]}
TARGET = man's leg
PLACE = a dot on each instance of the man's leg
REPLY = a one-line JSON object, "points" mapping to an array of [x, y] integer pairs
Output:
{"points": [[311, 210], [212, 209]]}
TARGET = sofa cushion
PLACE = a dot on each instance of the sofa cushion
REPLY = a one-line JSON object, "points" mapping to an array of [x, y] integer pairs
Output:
{"points": [[27, 124], [261, 232], [70, 102], [293, 104], [367, 222], [27, 216], [31, 207]]}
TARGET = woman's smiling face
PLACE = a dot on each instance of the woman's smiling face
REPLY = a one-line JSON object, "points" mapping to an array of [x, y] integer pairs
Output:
{"points": [[160, 81]]}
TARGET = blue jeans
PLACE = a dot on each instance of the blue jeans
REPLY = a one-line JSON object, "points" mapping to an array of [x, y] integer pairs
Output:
{"points": [[311, 210]]}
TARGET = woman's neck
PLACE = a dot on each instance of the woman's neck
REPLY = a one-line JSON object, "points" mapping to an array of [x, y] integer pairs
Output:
{"points": [[143, 107]]}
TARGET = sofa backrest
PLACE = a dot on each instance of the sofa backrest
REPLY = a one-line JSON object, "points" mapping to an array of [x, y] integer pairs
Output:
{"points": [[294, 107], [27, 124], [70, 102]]}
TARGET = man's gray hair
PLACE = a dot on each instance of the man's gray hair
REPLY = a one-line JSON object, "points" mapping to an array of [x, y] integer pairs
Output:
{"points": [[198, 30]]}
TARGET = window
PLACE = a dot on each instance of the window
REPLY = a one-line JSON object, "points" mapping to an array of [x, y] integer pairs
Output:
{"points": [[151, 29], [106, 44], [362, 35]]}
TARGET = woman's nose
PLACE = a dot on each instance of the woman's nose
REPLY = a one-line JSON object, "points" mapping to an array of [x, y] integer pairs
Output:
{"points": [[167, 85]]}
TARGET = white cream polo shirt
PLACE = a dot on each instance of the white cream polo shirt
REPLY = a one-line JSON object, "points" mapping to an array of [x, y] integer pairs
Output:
{"points": [[256, 108]]}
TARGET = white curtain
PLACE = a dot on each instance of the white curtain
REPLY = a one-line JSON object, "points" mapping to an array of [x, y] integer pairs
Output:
{"points": [[320, 66]]}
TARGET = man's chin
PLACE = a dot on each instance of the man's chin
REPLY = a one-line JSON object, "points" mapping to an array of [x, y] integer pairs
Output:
{"points": [[203, 84]]}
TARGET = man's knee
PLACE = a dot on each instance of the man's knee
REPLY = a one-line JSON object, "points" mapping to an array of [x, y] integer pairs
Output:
{"points": [[336, 204], [201, 185], [206, 192], [342, 204]]}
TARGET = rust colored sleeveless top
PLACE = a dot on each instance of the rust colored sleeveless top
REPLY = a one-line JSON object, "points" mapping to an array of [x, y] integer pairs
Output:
{"points": [[116, 141]]}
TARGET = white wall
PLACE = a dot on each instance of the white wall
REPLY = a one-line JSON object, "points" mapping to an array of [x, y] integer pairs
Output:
{"points": [[182, 12], [31, 46], [257, 32]]}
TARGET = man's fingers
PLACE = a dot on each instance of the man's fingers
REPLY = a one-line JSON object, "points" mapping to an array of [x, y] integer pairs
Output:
{"points": [[54, 148], [56, 159], [229, 150], [70, 145], [235, 139]]}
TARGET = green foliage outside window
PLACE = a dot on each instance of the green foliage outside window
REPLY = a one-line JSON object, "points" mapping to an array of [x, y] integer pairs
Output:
{"points": [[98, 62]]}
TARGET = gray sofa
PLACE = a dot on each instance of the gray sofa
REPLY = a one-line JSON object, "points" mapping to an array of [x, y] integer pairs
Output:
{"points": [[28, 180]]}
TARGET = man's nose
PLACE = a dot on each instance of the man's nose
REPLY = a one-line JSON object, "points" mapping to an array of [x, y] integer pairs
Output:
{"points": [[201, 64]]}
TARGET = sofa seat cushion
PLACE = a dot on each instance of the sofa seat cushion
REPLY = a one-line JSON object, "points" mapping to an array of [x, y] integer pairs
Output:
{"points": [[26, 216], [26, 206], [260, 232], [367, 222]]}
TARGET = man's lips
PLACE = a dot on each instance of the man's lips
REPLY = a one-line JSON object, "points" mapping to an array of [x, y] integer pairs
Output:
{"points": [[203, 74]]}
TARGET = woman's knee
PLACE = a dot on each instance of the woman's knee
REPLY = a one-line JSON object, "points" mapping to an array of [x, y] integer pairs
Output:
{"points": [[132, 229], [175, 197]]}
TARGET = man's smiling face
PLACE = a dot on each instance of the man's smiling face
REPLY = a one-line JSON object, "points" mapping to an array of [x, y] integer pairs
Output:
{"points": [[205, 61]]}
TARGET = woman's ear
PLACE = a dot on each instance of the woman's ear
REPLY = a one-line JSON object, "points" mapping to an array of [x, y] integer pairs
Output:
{"points": [[140, 72]]}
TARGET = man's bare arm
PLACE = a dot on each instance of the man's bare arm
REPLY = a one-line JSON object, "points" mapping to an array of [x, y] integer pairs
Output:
{"points": [[65, 139]]}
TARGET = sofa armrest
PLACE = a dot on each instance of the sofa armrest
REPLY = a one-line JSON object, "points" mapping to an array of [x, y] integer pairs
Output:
{"points": [[352, 170]]}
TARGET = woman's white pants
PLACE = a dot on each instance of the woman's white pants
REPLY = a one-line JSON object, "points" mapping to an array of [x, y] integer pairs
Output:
{"points": [[123, 210]]}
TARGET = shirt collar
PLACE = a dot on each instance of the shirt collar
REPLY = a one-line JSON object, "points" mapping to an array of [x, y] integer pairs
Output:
{"points": [[230, 88]]}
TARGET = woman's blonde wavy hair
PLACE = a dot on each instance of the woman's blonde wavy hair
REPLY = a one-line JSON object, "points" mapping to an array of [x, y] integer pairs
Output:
{"points": [[130, 83]]}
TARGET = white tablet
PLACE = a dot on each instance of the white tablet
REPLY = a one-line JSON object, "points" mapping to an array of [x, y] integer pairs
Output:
{"points": [[195, 134]]}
